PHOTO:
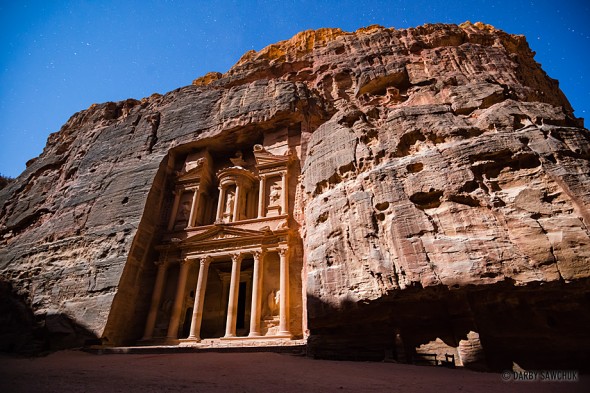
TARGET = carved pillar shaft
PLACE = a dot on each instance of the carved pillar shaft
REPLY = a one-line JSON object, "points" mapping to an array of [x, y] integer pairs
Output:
{"points": [[256, 294], [172, 219], [197, 318], [225, 289], [284, 288], [238, 202], [232, 306], [194, 208], [156, 297], [202, 212], [178, 300], [285, 191], [221, 203], [262, 197]]}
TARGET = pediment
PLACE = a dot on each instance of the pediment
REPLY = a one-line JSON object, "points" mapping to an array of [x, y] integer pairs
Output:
{"points": [[266, 159], [220, 233], [192, 175]]}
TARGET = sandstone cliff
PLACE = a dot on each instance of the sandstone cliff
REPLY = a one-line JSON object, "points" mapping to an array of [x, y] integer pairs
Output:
{"points": [[443, 200]]}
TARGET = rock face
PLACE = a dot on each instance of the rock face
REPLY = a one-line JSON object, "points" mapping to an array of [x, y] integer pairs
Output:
{"points": [[442, 203]]}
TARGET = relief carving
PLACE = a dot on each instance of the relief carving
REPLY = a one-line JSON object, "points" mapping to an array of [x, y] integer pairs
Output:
{"points": [[273, 300], [275, 195]]}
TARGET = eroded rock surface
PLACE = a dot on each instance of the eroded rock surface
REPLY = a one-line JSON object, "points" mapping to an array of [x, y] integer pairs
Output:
{"points": [[444, 195]]}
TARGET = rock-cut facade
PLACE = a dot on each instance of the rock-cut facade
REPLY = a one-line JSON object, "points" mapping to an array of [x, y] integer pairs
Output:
{"points": [[418, 194]]}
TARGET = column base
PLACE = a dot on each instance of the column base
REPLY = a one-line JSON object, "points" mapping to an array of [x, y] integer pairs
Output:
{"points": [[171, 341], [254, 338], [188, 342], [255, 334]]}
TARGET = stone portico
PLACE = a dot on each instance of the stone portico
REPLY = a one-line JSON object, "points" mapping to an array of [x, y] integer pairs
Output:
{"points": [[226, 258]]}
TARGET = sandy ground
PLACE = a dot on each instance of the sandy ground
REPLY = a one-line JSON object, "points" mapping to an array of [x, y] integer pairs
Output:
{"points": [[72, 371]]}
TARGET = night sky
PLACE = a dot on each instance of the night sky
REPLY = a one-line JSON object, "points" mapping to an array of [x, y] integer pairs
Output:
{"points": [[60, 57]]}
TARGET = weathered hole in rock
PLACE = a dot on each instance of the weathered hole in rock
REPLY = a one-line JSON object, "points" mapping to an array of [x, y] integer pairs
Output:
{"points": [[467, 132], [549, 198], [524, 140], [350, 167], [520, 121], [125, 201], [335, 179], [469, 186], [526, 161], [415, 167], [382, 206], [464, 200], [322, 217], [427, 200], [379, 85], [407, 141], [350, 118]]}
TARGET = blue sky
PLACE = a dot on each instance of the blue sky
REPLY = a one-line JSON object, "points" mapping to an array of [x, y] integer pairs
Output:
{"points": [[59, 57]]}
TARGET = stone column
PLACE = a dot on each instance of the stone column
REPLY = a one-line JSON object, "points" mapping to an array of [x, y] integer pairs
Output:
{"points": [[284, 288], [202, 203], [156, 297], [256, 293], [284, 194], [262, 197], [220, 203], [238, 201], [195, 332], [179, 300], [194, 208], [177, 195], [232, 305]]}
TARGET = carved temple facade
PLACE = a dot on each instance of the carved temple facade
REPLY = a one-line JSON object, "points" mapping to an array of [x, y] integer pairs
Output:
{"points": [[229, 260]]}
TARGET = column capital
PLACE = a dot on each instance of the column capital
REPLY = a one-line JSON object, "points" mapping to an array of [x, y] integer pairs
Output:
{"points": [[205, 261], [237, 257], [186, 261], [162, 262], [283, 251], [257, 254]]}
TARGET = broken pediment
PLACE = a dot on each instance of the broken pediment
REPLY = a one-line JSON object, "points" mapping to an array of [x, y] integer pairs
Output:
{"points": [[264, 159], [197, 171]]}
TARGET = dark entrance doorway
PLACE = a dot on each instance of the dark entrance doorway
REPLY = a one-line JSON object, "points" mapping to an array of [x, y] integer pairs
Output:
{"points": [[241, 317]]}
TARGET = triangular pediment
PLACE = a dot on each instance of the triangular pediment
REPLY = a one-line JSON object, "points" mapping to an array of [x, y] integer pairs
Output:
{"points": [[264, 158], [192, 175], [222, 233]]}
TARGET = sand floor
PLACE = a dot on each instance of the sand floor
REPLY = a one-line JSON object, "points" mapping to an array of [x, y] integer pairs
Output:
{"points": [[73, 371]]}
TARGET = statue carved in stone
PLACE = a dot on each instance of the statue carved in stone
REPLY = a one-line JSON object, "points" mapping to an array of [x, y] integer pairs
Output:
{"points": [[275, 195], [273, 300], [238, 160], [184, 212], [229, 207]]}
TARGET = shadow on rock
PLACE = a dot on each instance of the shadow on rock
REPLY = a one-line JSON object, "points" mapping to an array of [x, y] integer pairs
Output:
{"points": [[24, 333], [485, 328]]}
